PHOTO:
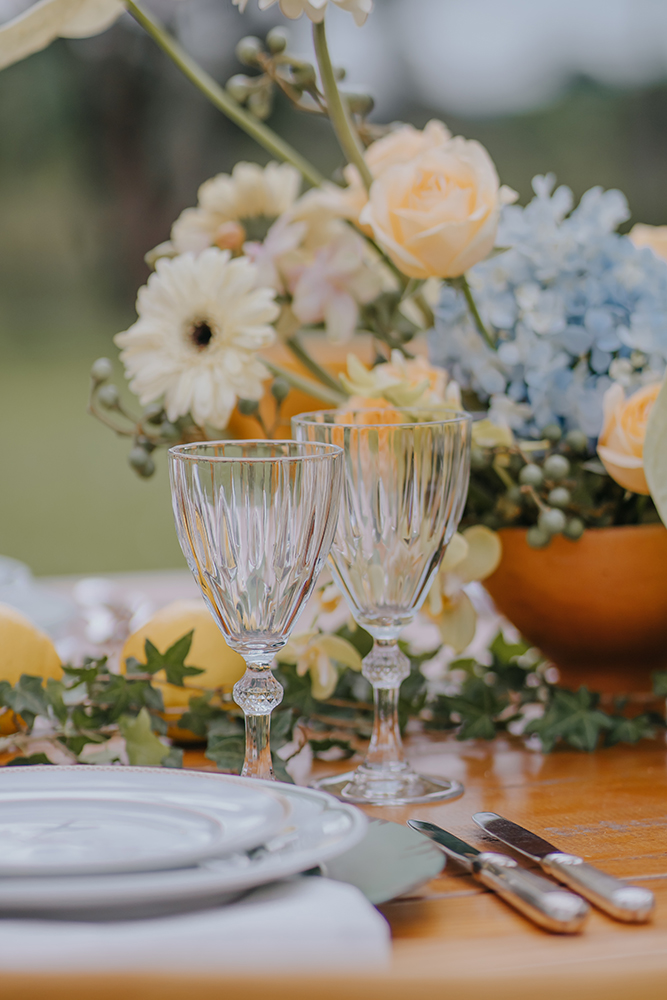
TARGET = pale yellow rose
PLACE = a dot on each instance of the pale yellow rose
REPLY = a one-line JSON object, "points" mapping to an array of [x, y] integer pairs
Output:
{"points": [[401, 382], [437, 215], [621, 443], [654, 237], [399, 146]]}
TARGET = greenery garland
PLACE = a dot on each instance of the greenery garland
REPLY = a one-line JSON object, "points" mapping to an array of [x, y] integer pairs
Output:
{"points": [[94, 716]]}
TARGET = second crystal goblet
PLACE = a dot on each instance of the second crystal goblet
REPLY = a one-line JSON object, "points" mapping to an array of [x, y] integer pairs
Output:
{"points": [[255, 520], [406, 480]]}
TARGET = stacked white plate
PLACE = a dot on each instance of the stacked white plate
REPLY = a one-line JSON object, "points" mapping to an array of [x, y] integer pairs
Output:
{"points": [[109, 842]]}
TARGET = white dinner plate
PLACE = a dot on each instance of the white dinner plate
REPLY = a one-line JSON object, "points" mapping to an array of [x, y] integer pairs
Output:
{"points": [[58, 835], [318, 828], [76, 820]]}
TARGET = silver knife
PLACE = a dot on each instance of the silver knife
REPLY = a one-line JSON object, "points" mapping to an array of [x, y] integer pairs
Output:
{"points": [[538, 899], [631, 903]]}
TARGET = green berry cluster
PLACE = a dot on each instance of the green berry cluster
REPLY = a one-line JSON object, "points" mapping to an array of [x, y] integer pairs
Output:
{"points": [[153, 429], [553, 486], [280, 70]]}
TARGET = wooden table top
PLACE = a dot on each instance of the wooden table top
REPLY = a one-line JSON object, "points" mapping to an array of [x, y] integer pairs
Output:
{"points": [[461, 941]]}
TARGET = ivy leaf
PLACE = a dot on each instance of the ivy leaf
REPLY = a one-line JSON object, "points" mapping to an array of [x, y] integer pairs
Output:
{"points": [[6, 691], [172, 661], [282, 725], [478, 706], [173, 759], [572, 717], [34, 758], [28, 699], [142, 745], [321, 746], [54, 691], [280, 770], [623, 730], [227, 752], [504, 651]]}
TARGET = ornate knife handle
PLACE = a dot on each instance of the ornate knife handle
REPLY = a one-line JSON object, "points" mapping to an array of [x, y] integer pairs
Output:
{"points": [[630, 903], [538, 899]]}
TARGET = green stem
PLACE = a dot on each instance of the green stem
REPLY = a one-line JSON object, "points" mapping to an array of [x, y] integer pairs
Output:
{"points": [[306, 385], [220, 98], [300, 352], [337, 109], [462, 283]]}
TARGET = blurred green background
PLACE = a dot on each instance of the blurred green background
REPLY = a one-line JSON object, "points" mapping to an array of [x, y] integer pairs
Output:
{"points": [[102, 144]]}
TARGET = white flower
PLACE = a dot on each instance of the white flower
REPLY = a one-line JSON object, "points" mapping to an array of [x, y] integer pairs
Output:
{"points": [[227, 203], [47, 20], [201, 321], [315, 9], [317, 653], [330, 287]]}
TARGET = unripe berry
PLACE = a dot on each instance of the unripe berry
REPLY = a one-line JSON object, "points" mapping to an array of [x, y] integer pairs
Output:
{"points": [[556, 467], [108, 396], [574, 528], [531, 475], [559, 497], [536, 538], [552, 521], [101, 370]]}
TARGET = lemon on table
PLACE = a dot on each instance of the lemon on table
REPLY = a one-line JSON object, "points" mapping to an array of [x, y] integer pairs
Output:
{"points": [[24, 649], [221, 665]]}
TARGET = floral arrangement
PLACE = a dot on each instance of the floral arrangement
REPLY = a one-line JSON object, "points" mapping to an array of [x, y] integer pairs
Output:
{"points": [[540, 318]]}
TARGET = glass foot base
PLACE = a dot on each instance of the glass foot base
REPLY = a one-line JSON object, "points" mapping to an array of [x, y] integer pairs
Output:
{"points": [[402, 789]]}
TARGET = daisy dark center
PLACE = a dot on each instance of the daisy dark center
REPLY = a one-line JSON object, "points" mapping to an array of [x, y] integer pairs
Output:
{"points": [[201, 334]]}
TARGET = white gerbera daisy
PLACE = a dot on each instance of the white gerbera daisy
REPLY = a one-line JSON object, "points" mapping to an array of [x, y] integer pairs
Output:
{"points": [[202, 320], [231, 205], [315, 9]]}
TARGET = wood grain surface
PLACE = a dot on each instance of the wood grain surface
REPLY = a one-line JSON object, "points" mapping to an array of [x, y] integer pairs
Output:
{"points": [[459, 941]]}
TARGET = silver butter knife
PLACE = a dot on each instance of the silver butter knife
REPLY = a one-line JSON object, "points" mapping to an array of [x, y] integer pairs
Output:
{"points": [[631, 903], [538, 899]]}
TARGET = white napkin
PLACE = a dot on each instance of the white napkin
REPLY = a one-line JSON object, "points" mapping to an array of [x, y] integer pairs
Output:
{"points": [[308, 924]]}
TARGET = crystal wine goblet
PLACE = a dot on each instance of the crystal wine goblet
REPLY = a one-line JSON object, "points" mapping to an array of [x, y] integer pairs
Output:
{"points": [[406, 480], [255, 521]]}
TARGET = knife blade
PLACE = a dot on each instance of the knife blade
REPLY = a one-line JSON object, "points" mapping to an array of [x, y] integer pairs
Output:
{"points": [[630, 903], [541, 901]]}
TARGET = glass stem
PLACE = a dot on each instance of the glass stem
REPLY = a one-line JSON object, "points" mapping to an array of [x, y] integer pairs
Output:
{"points": [[385, 667], [258, 693], [386, 746], [257, 762]]}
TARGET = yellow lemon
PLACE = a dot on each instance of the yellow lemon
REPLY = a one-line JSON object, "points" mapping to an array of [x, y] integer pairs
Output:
{"points": [[24, 649], [221, 665]]}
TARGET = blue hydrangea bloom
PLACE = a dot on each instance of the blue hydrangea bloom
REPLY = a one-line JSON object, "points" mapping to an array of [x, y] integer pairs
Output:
{"points": [[572, 306]]}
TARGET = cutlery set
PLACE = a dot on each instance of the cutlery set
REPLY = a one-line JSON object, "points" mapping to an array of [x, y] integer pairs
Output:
{"points": [[544, 902]]}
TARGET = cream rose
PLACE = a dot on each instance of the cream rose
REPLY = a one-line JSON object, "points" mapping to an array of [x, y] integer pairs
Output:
{"points": [[437, 215], [621, 443], [399, 146], [654, 237]]}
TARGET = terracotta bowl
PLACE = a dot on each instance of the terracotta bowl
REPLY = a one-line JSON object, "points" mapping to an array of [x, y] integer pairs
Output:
{"points": [[596, 607]]}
